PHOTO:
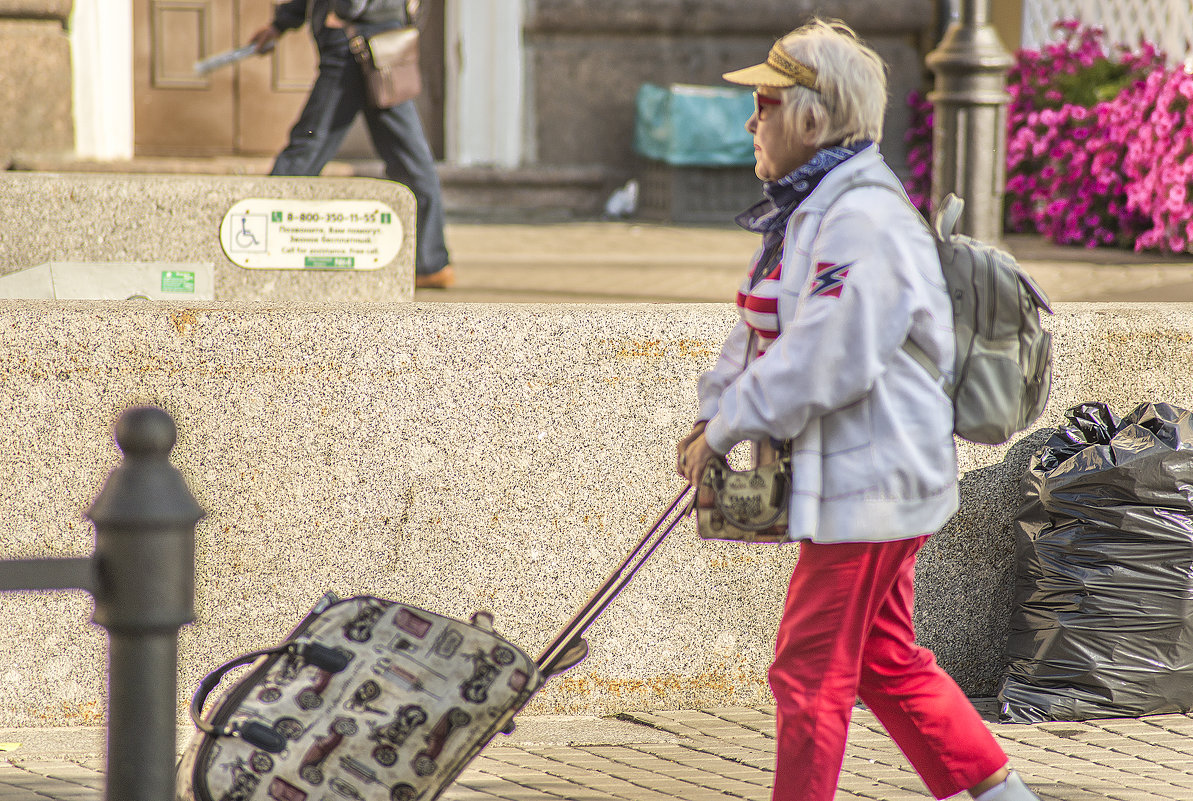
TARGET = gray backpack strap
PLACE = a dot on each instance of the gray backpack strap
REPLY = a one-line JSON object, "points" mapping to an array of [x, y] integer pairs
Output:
{"points": [[924, 360]]}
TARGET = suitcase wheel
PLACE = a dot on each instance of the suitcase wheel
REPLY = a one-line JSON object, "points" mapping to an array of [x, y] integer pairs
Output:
{"points": [[309, 700], [261, 762], [344, 726], [269, 695]]}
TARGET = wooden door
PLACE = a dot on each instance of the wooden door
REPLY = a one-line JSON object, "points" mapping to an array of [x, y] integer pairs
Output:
{"points": [[271, 89], [243, 109], [248, 108], [177, 112]]}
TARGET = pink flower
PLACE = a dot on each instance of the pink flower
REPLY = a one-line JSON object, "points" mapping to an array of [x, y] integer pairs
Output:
{"points": [[1117, 172]]}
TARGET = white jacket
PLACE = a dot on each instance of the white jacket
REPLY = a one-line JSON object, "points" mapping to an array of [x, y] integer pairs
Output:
{"points": [[873, 455]]}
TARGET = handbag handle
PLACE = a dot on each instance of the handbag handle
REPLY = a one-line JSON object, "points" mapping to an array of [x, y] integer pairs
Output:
{"points": [[253, 732], [715, 473]]}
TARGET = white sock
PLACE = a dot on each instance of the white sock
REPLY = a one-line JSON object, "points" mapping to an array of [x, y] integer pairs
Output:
{"points": [[1013, 789]]}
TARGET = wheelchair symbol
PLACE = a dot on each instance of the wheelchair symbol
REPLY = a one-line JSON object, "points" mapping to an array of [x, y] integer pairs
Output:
{"points": [[244, 237], [249, 236]]}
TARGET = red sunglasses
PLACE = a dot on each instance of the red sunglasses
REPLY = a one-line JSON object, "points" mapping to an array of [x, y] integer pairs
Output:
{"points": [[761, 102]]}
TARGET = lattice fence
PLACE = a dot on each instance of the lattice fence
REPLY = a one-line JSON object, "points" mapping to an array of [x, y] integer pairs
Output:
{"points": [[1167, 23]]}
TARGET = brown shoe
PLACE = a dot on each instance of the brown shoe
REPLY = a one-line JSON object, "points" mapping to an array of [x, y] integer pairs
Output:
{"points": [[440, 279]]}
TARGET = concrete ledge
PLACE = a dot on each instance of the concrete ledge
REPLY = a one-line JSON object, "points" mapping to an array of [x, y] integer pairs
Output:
{"points": [[462, 456], [175, 218]]}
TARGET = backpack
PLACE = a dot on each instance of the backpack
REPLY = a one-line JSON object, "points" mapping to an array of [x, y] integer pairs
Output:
{"points": [[1002, 372]]}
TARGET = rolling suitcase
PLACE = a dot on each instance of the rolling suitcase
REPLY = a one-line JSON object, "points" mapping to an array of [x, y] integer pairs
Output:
{"points": [[374, 700]]}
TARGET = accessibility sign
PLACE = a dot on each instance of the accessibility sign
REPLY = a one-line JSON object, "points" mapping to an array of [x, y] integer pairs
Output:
{"points": [[282, 234]]}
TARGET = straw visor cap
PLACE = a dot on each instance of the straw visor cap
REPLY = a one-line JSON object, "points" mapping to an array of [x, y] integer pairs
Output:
{"points": [[779, 70]]}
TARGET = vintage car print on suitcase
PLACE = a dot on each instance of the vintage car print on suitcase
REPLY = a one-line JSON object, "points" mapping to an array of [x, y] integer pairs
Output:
{"points": [[368, 699], [371, 700]]}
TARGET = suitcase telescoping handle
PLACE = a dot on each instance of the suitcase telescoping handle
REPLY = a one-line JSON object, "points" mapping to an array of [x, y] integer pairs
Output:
{"points": [[258, 734], [569, 647]]}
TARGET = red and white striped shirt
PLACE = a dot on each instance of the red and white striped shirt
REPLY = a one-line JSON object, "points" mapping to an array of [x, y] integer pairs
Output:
{"points": [[759, 307]]}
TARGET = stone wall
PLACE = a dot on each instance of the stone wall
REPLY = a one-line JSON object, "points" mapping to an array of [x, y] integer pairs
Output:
{"points": [[159, 218], [586, 61], [465, 456], [34, 60]]}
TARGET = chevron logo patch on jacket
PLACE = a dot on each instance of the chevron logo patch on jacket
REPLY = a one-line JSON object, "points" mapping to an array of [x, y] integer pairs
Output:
{"points": [[829, 279]]}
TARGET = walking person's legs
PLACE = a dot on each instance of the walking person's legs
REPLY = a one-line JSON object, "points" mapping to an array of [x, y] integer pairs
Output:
{"points": [[847, 629], [334, 102], [401, 143], [922, 708], [835, 592]]}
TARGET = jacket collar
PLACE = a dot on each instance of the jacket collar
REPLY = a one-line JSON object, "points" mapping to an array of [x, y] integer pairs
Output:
{"points": [[864, 162], [786, 194]]}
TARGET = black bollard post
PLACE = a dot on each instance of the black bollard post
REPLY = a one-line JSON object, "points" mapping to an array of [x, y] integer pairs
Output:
{"points": [[145, 588]]}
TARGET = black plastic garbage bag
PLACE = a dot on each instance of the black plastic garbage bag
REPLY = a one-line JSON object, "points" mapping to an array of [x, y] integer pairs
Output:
{"points": [[1102, 624]]}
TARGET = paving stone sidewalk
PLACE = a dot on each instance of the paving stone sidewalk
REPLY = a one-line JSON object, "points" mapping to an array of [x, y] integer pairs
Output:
{"points": [[714, 754], [632, 262]]}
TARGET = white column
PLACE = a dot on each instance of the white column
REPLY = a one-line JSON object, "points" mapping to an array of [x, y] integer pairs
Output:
{"points": [[485, 90], [101, 36]]}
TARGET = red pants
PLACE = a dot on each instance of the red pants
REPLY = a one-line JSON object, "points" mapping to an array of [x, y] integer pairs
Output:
{"points": [[847, 633]]}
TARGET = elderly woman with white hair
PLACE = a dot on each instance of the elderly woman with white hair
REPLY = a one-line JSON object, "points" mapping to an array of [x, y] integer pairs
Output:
{"points": [[845, 275]]}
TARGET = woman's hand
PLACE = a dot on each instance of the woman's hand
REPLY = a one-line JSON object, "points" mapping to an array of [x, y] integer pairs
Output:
{"points": [[694, 457]]}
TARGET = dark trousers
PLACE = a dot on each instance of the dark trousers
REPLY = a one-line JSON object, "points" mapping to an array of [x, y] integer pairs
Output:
{"points": [[397, 134]]}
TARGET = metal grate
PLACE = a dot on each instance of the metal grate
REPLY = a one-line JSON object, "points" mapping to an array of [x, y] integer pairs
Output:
{"points": [[1166, 23]]}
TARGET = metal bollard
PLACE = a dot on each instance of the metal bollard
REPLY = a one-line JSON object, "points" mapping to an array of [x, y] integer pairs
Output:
{"points": [[970, 130], [144, 588]]}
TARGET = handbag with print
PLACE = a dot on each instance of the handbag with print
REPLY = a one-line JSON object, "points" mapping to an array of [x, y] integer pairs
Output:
{"points": [[744, 505]]}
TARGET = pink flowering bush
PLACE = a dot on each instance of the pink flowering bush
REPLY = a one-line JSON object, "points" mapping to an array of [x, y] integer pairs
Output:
{"points": [[1064, 150], [1064, 178], [1099, 145], [919, 151], [1158, 166]]}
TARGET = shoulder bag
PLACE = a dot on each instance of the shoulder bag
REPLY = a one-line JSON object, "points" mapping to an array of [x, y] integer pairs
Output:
{"points": [[389, 61], [746, 505]]}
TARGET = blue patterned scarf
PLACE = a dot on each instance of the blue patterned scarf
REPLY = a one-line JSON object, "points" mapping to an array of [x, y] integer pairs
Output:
{"points": [[782, 197]]}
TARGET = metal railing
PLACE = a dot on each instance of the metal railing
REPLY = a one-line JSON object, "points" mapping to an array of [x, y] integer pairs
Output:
{"points": [[1165, 23], [142, 576]]}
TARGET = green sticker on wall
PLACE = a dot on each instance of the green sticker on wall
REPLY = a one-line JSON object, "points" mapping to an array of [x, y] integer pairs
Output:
{"points": [[175, 281], [330, 262]]}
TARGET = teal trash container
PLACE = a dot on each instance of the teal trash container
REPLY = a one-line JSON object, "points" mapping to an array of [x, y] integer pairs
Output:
{"points": [[687, 125], [697, 157]]}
